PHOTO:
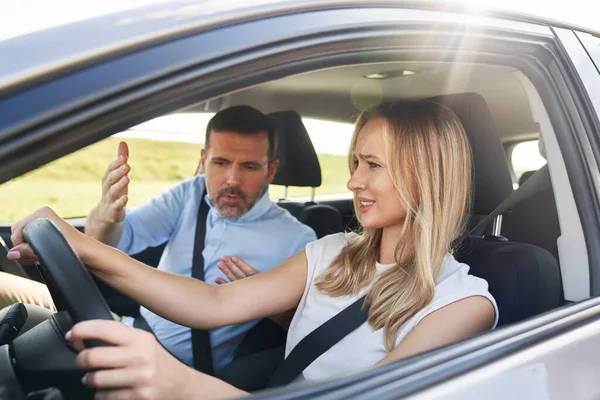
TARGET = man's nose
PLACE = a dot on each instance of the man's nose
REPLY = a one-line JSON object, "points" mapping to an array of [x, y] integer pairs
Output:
{"points": [[234, 176]]}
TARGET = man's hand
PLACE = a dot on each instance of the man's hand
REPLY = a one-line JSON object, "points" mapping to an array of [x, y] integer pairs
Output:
{"points": [[115, 183], [235, 268], [105, 221]]}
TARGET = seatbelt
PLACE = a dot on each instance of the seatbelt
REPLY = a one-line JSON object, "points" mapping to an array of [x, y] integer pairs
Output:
{"points": [[201, 348], [538, 181], [319, 341]]}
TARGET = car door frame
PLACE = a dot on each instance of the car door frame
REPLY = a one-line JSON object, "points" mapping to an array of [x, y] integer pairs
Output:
{"points": [[89, 113]]}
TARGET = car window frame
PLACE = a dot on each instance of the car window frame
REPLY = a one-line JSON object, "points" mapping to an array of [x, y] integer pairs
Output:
{"points": [[141, 102]]}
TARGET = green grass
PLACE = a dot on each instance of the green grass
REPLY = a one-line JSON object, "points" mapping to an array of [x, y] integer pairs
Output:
{"points": [[72, 184]]}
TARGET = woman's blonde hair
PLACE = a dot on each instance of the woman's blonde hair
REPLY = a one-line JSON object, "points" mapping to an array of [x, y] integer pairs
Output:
{"points": [[429, 161]]}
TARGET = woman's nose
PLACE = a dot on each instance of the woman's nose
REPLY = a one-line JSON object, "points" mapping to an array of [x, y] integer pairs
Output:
{"points": [[356, 182]]}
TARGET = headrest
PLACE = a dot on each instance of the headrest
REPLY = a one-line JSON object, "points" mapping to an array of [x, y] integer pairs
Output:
{"points": [[526, 175], [492, 182], [298, 162]]}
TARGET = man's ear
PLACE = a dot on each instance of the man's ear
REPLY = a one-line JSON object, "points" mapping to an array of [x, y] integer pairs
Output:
{"points": [[273, 165], [201, 167]]}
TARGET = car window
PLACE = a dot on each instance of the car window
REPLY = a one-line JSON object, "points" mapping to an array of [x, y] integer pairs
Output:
{"points": [[525, 156], [331, 141], [162, 152], [592, 46]]}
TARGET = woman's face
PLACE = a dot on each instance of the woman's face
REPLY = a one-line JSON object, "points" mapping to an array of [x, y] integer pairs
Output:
{"points": [[379, 203]]}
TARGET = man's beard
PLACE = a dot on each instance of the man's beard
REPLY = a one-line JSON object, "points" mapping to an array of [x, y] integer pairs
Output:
{"points": [[231, 210]]}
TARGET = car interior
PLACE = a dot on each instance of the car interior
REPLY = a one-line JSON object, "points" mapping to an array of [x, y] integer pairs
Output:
{"points": [[521, 254], [493, 107]]}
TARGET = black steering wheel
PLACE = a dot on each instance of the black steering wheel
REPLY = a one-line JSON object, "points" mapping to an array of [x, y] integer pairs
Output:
{"points": [[69, 282]]}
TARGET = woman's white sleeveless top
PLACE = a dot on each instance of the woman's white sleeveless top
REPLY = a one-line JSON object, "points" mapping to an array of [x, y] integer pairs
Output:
{"points": [[364, 347]]}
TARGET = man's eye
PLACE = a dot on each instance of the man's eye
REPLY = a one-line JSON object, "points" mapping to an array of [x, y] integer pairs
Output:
{"points": [[219, 162], [252, 167]]}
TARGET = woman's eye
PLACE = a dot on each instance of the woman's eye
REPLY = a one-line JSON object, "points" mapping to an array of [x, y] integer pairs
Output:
{"points": [[373, 165]]}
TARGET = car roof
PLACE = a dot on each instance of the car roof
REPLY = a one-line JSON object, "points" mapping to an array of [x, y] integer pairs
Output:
{"points": [[54, 49]]}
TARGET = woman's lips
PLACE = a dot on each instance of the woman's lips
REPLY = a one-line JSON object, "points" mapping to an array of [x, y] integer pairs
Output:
{"points": [[365, 205]]}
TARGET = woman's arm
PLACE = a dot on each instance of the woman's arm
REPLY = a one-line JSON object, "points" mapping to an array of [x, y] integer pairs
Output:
{"points": [[457, 321], [183, 300], [190, 302], [235, 269]]}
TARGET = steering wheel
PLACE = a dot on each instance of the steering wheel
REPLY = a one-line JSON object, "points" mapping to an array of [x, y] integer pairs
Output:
{"points": [[69, 282]]}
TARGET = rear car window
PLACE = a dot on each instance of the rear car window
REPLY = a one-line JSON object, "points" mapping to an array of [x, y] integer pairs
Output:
{"points": [[331, 141], [525, 156]]}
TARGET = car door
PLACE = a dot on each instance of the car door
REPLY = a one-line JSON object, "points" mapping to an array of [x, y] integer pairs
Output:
{"points": [[580, 54]]}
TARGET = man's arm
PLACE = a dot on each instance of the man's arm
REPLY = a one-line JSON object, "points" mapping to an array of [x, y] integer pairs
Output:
{"points": [[105, 232], [105, 221], [147, 225]]}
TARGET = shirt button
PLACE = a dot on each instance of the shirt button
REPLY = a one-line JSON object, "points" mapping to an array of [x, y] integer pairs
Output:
{"points": [[219, 220]]}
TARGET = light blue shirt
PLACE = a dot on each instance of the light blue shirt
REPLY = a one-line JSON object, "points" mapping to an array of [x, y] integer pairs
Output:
{"points": [[264, 237]]}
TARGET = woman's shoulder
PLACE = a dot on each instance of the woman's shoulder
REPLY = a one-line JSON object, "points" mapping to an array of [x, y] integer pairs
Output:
{"points": [[454, 283], [321, 252], [455, 275], [332, 243]]}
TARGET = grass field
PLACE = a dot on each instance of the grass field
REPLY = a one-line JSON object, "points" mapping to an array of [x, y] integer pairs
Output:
{"points": [[72, 185]]}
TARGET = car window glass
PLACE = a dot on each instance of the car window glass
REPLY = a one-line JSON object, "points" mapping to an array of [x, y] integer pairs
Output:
{"points": [[162, 152], [526, 156], [592, 46], [331, 141]]}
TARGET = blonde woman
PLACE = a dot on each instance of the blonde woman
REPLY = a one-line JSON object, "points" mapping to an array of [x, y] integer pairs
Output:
{"points": [[410, 165]]}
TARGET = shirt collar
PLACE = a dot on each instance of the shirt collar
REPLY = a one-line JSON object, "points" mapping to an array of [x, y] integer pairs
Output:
{"points": [[256, 212]]}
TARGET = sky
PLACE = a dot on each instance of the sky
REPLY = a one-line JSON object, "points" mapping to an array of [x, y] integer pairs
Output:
{"points": [[18, 17]]}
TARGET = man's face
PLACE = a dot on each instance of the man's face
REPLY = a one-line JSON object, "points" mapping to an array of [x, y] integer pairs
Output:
{"points": [[237, 169]]}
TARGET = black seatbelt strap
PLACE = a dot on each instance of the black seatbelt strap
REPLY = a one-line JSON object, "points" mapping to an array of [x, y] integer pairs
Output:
{"points": [[538, 181], [201, 348], [140, 323], [319, 341]]}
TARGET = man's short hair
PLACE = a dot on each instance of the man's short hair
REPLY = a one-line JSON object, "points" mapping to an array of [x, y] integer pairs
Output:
{"points": [[244, 120]]}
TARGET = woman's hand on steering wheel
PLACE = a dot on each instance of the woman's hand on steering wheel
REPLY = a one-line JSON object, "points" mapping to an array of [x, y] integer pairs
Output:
{"points": [[135, 367], [22, 251]]}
